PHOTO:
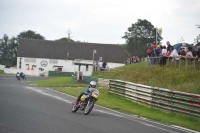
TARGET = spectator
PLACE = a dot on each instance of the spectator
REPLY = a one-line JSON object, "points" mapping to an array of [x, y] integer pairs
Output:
{"points": [[96, 65], [198, 53], [137, 59], [158, 51], [153, 50], [100, 64], [164, 51], [104, 64], [189, 52], [163, 55], [134, 59], [128, 61], [181, 51], [173, 53], [168, 48], [149, 52]]}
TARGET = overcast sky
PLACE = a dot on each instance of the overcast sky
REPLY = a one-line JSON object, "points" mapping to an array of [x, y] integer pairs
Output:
{"points": [[99, 21]]}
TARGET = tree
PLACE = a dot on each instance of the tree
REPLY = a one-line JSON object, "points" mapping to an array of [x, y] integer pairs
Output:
{"points": [[8, 49], [30, 35], [139, 36], [65, 39], [68, 38]]}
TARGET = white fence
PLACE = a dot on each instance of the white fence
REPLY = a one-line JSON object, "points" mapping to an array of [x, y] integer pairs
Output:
{"points": [[164, 99]]}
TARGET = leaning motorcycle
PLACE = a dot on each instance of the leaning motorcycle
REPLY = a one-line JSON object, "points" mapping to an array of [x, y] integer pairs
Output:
{"points": [[18, 77], [86, 102]]}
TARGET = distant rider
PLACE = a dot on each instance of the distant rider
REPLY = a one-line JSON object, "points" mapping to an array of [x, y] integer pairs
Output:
{"points": [[18, 75], [86, 91], [22, 75]]}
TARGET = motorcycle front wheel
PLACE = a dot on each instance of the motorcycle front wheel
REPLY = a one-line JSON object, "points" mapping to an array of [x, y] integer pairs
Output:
{"points": [[74, 108], [89, 106]]}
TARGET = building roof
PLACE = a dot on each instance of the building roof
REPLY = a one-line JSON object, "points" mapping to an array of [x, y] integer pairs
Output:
{"points": [[34, 48]]}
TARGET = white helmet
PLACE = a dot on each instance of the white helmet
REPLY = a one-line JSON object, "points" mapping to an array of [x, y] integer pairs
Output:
{"points": [[93, 84]]}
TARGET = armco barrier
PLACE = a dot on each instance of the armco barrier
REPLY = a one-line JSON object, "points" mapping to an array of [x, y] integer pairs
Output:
{"points": [[164, 99], [175, 101]]}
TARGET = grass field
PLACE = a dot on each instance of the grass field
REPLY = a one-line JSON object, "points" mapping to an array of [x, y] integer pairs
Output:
{"points": [[120, 104], [57, 82], [173, 78], [1, 71]]}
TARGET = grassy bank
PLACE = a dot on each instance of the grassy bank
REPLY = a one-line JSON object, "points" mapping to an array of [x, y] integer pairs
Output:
{"points": [[125, 106], [173, 78], [57, 82], [1, 71]]}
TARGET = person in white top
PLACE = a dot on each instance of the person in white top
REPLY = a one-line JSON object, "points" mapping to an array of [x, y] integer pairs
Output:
{"points": [[163, 55], [174, 53], [164, 50], [100, 64]]}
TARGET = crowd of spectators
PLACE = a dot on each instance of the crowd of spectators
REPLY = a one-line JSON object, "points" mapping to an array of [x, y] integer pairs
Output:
{"points": [[164, 52], [100, 65], [133, 60]]}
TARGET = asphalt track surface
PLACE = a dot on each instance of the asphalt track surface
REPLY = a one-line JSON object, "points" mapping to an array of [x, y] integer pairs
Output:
{"points": [[31, 109]]}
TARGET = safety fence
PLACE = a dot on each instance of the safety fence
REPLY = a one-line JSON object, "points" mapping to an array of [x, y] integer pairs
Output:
{"points": [[164, 99]]}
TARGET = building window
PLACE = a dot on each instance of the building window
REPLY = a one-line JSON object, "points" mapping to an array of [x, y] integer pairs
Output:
{"points": [[30, 60], [59, 69], [53, 61]]}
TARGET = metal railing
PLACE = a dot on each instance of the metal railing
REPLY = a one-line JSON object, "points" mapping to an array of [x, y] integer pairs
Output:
{"points": [[164, 99]]}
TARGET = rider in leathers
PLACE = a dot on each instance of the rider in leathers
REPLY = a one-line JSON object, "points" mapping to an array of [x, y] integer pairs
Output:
{"points": [[86, 91]]}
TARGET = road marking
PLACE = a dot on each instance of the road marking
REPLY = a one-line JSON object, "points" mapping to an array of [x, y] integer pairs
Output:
{"points": [[9, 78], [41, 92], [105, 112]]}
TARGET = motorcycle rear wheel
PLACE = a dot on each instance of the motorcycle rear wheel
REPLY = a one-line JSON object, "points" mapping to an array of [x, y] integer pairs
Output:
{"points": [[89, 106]]}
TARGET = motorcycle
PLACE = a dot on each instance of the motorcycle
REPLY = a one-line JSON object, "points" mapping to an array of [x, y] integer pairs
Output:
{"points": [[18, 77], [23, 76], [86, 102]]}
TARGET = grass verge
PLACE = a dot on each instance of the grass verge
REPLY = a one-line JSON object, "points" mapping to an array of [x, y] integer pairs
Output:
{"points": [[57, 82], [1, 71], [126, 106], [173, 78]]}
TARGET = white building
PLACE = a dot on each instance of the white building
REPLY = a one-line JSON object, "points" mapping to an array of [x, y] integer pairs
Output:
{"points": [[39, 56]]}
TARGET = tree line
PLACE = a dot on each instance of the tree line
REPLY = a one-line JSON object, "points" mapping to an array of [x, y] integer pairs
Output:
{"points": [[138, 37]]}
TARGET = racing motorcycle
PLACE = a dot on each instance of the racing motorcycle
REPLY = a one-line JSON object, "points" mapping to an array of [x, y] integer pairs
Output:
{"points": [[86, 102]]}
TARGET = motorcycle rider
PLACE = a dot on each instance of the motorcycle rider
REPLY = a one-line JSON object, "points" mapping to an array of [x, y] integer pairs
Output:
{"points": [[86, 91], [18, 75], [22, 75]]}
